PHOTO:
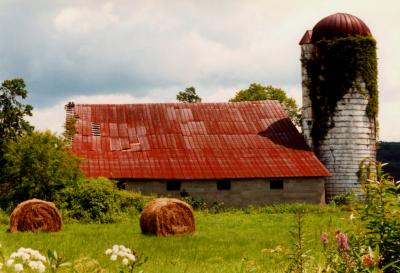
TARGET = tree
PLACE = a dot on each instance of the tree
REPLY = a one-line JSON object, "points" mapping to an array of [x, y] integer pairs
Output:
{"points": [[12, 114], [259, 92], [37, 165], [12, 111], [189, 95]]}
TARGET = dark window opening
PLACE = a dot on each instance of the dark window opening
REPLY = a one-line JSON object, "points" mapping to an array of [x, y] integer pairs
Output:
{"points": [[309, 122], [173, 185], [96, 129], [223, 185], [276, 184]]}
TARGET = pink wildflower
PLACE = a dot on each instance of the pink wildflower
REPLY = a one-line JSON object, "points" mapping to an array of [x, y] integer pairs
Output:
{"points": [[324, 238], [342, 242]]}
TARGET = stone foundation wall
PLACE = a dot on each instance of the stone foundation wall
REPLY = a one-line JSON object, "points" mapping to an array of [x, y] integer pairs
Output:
{"points": [[243, 193]]}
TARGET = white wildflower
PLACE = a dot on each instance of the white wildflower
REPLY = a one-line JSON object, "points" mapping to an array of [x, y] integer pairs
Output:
{"points": [[18, 267], [131, 257], [28, 257], [120, 251], [41, 268], [21, 250], [1, 265], [115, 248], [352, 217], [32, 264], [41, 258], [25, 256]]}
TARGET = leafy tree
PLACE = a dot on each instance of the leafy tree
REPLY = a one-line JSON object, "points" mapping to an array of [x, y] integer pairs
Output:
{"points": [[259, 92], [12, 111], [12, 114], [38, 165], [189, 95]]}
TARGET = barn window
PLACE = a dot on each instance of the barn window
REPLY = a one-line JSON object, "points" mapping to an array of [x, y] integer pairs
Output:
{"points": [[223, 185], [173, 185], [276, 184]]}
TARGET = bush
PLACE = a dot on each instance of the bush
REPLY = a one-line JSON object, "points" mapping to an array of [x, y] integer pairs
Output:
{"points": [[343, 199], [98, 200], [37, 165], [379, 213], [197, 204], [4, 218]]}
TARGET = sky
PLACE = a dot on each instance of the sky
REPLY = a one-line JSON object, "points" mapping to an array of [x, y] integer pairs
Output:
{"points": [[126, 51]]}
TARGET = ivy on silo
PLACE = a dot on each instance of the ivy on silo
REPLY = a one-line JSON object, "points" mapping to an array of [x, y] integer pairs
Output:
{"points": [[333, 71]]}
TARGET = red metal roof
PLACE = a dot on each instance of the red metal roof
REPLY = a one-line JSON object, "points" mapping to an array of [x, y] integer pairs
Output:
{"points": [[339, 25], [192, 141], [306, 39]]}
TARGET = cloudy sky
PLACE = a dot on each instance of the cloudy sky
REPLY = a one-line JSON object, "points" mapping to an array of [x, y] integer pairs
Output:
{"points": [[126, 51]]}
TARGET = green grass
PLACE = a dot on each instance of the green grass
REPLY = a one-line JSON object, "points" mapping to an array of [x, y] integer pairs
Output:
{"points": [[220, 243]]}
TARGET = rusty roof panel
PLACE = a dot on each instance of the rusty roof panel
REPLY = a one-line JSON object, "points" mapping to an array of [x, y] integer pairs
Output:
{"points": [[192, 141]]}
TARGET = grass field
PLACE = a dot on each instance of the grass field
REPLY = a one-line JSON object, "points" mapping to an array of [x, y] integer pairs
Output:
{"points": [[220, 243]]}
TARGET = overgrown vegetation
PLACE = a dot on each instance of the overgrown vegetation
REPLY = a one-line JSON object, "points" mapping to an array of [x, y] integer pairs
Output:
{"points": [[37, 165], [336, 67], [97, 200], [379, 213]]}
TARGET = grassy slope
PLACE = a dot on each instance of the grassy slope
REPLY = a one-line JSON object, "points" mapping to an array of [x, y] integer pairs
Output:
{"points": [[220, 242]]}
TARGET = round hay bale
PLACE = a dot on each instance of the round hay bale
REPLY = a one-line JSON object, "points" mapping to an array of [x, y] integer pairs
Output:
{"points": [[35, 215], [167, 216]]}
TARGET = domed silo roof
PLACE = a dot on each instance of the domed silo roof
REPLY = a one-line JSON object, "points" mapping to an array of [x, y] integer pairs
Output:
{"points": [[339, 25]]}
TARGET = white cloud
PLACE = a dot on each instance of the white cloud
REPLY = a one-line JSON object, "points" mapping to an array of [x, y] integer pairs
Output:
{"points": [[82, 20]]}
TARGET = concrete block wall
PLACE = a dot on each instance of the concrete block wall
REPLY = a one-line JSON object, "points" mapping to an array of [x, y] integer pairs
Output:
{"points": [[243, 192]]}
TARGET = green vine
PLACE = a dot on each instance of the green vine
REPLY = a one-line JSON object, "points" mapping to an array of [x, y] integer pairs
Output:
{"points": [[70, 129], [333, 71]]}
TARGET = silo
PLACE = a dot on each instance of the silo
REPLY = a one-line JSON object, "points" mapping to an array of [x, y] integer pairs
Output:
{"points": [[340, 97]]}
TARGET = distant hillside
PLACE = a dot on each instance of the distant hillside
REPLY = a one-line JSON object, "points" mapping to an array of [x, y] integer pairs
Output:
{"points": [[389, 152]]}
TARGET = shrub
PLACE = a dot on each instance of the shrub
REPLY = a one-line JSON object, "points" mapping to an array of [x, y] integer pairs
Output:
{"points": [[379, 213], [98, 200], [38, 165], [4, 218], [372, 245], [343, 199], [197, 204]]}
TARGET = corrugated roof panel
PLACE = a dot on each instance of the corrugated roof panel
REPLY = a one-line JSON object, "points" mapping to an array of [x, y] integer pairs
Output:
{"points": [[192, 141]]}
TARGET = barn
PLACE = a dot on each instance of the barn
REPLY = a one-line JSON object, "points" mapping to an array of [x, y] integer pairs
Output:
{"points": [[243, 153]]}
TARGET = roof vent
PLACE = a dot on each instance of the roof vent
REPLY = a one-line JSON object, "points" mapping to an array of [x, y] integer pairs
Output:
{"points": [[96, 129]]}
